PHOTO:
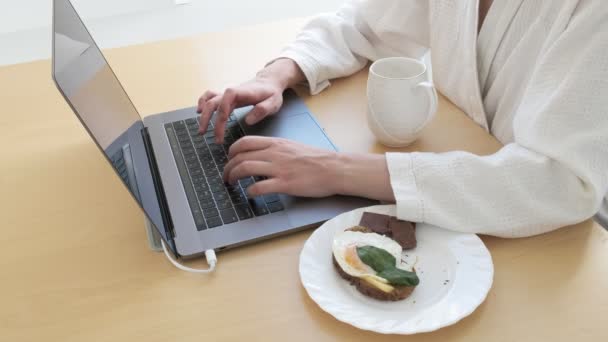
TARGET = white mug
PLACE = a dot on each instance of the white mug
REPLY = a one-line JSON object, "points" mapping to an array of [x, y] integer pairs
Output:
{"points": [[400, 100]]}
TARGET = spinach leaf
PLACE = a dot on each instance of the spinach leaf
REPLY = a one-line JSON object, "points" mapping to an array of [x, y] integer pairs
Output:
{"points": [[376, 258], [397, 276], [384, 264]]}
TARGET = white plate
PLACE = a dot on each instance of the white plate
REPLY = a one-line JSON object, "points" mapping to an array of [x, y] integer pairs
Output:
{"points": [[455, 271]]}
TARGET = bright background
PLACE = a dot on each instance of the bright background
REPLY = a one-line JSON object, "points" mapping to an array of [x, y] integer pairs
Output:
{"points": [[25, 25]]}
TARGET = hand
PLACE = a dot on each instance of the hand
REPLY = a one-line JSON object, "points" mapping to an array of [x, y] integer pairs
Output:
{"points": [[264, 92], [292, 168], [301, 170]]}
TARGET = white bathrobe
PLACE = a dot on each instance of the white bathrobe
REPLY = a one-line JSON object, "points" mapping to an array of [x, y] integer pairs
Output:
{"points": [[536, 77]]}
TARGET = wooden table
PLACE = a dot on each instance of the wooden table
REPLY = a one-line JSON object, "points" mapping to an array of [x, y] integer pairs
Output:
{"points": [[74, 261]]}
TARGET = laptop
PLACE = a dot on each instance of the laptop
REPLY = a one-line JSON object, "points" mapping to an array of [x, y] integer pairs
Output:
{"points": [[173, 172]]}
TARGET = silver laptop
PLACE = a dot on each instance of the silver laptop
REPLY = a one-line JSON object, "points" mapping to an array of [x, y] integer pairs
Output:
{"points": [[173, 172]]}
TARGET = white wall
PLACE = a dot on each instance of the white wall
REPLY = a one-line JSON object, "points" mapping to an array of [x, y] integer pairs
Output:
{"points": [[25, 24], [17, 15]]}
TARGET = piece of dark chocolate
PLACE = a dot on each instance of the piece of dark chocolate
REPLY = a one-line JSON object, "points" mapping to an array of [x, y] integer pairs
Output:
{"points": [[378, 223], [404, 232]]}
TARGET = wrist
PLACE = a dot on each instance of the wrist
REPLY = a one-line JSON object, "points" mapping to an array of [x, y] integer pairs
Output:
{"points": [[283, 73], [363, 175]]}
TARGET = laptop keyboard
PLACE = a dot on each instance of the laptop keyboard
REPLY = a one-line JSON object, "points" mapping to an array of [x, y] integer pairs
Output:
{"points": [[200, 162]]}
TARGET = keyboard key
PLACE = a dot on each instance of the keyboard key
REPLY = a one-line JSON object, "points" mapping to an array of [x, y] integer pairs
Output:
{"points": [[215, 148], [221, 196], [214, 177], [199, 221], [210, 212], [192, 165], [198, 139], [220, 159], [188, 150], [212, 174], [238, 198], [204, 194], [207, 203], [275, 206], [190, 158], [208, 165], [228, 216], [223, 204], [258, 206], [246, 182], [243, 211], [191, 121], [196, 173], [271, 198], [217, 187], [233, 188], [201, 187], [205, 156], [199, 180], [213, 222]]}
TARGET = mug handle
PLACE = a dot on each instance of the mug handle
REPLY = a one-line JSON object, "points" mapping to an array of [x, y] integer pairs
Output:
{"points": [[432, 94]]}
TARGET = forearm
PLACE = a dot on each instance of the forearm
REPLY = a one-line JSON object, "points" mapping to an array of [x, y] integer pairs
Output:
{"points": [[285, 72], [515, 192], [363, 175]]}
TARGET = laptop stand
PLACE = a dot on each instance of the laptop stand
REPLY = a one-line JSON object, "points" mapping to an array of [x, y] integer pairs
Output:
{"points": [[153, 237]]}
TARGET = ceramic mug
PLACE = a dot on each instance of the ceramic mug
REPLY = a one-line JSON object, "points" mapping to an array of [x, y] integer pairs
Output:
{"points": [[400, 100]]}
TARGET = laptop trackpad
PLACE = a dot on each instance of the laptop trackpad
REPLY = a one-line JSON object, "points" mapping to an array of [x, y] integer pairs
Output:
{"points": [[299, 127]]}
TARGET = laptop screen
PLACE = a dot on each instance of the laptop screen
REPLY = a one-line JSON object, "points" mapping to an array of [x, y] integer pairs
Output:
{"points": [[89, 85]]}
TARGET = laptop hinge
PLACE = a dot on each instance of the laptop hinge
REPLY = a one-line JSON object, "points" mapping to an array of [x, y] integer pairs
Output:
{"points": [[158, 187]]}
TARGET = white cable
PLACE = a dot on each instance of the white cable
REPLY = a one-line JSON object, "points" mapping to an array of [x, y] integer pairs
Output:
{"points": [[209, 255]]}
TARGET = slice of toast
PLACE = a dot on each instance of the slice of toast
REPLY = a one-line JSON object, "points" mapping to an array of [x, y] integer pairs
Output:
{"points": [[367, 288]]}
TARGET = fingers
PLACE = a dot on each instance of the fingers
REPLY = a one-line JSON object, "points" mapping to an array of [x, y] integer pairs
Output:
{"points": [[250, 143], [229, 102], [204, 98], [250, 168], [267, 186], [263, 109], [208, 108], [259, 155]]}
